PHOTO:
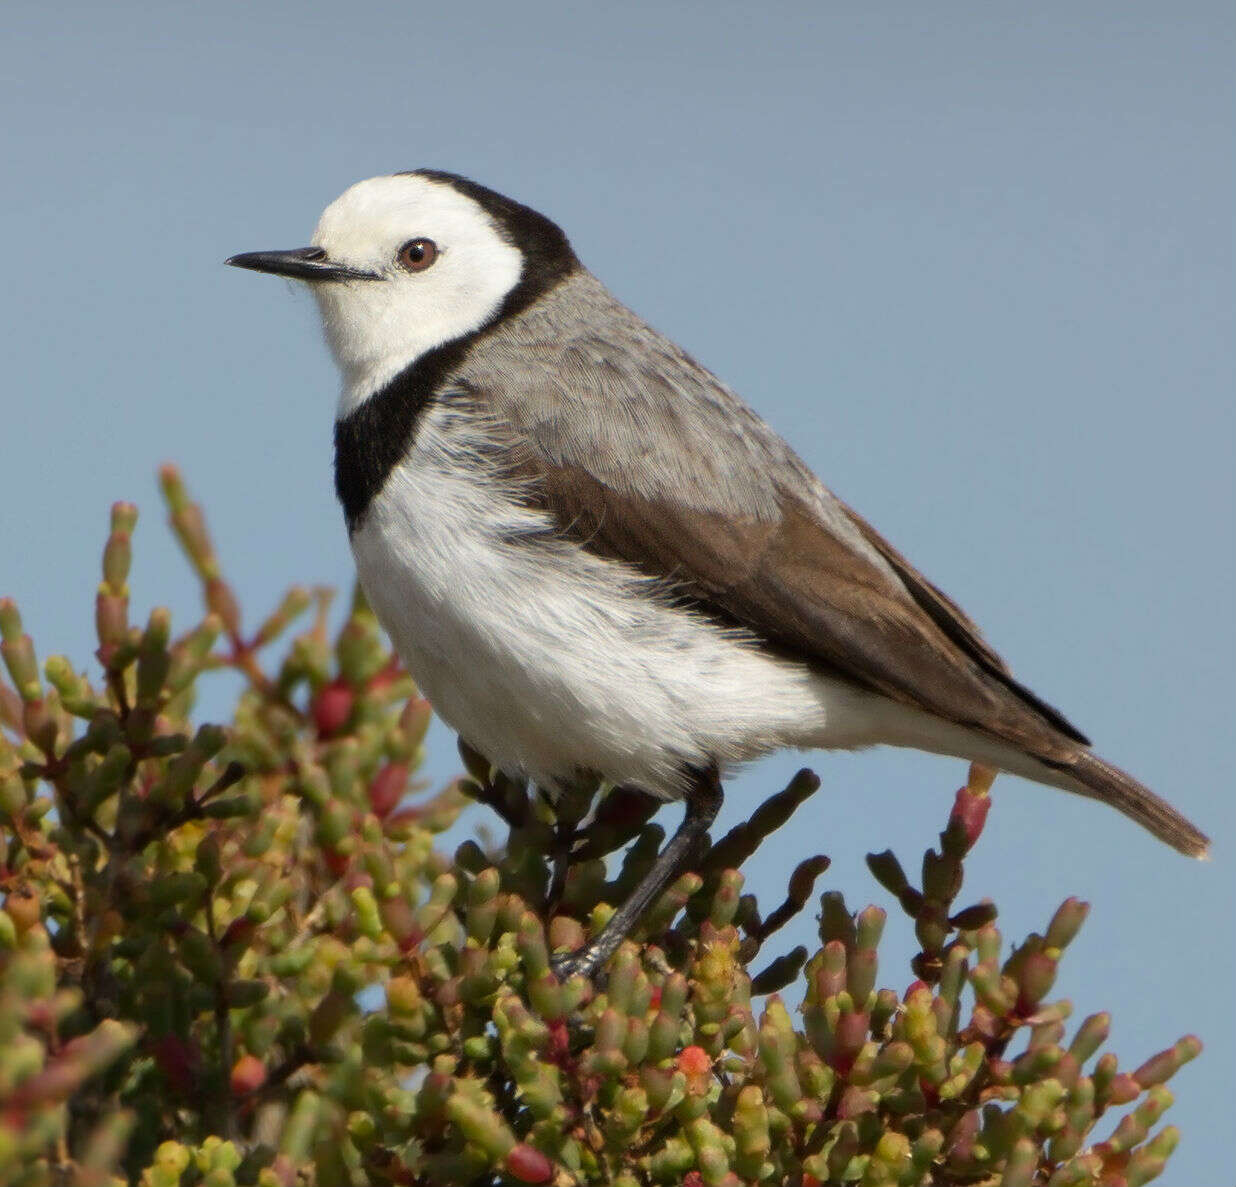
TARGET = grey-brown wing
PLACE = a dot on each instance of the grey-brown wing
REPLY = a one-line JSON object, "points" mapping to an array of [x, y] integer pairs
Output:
{"points": [[642, 454], [796, 584]]}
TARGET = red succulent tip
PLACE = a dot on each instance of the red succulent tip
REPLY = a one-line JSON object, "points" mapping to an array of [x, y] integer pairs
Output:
{"points": [[529, 1165], [970, 813], [239, 931], [387, 787], [336, 862], [694, 1061], [178, 1060], [696, 1065], [332, 707], [248, 1075]]}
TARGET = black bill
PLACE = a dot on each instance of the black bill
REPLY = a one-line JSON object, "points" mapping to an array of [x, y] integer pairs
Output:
{"points": [[302, 263]]}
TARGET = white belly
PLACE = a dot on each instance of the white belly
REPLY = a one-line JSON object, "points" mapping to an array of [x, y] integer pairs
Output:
{"points": [[552, 661]]}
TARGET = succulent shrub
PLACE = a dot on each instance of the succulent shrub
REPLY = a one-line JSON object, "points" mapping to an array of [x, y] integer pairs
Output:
{"points": [[237, 954]]}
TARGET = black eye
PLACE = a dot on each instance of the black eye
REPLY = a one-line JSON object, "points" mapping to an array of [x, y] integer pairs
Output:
{"points": [[417, 254]]}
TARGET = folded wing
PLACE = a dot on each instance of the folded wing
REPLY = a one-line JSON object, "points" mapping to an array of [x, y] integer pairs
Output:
{"points": [[646, 457]]}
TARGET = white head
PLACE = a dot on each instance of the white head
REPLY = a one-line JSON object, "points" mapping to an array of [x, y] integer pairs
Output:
{"points": [[401, 265]]}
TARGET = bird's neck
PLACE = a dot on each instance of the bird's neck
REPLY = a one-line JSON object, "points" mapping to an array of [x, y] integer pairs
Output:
{"points": [[363, 381]]}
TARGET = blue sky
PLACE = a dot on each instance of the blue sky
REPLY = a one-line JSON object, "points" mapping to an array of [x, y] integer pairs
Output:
{"points": [[975, 262]]}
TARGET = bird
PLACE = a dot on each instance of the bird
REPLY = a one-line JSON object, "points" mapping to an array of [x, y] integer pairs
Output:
{"points": [[598, 562]]}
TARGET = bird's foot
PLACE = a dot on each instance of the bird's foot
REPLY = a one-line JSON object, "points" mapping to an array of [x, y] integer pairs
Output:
{"points": [[586, 962]]}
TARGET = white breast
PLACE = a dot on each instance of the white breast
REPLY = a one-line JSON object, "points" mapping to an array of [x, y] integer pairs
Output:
{"points": [[550, 660]]}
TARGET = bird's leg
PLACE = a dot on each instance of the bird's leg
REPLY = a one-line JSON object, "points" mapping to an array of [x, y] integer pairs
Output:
{"points": [[569, 807], [564, 838], [703, 801]]}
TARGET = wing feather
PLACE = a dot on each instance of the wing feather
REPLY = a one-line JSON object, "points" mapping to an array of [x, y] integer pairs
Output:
{"points": [[640, 453]]}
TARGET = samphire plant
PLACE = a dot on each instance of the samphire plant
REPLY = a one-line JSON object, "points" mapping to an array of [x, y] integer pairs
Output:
{"points": [[231, 954]]}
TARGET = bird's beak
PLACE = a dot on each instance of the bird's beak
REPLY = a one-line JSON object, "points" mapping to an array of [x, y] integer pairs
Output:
{"points": [[302, 263]]}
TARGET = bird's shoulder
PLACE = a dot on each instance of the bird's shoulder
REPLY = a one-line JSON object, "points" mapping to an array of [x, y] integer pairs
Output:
{"points": [[581, 381]]}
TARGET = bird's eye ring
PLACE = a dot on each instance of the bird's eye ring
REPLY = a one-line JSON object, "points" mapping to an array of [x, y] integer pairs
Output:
{"points": [[417, 254]]}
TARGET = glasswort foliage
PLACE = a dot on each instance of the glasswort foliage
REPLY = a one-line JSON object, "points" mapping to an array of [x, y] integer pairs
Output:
{"points": [[190, 911]]}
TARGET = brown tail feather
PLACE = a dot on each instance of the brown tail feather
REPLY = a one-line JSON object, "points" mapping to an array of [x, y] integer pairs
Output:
{"points": [[1102, 781]]}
